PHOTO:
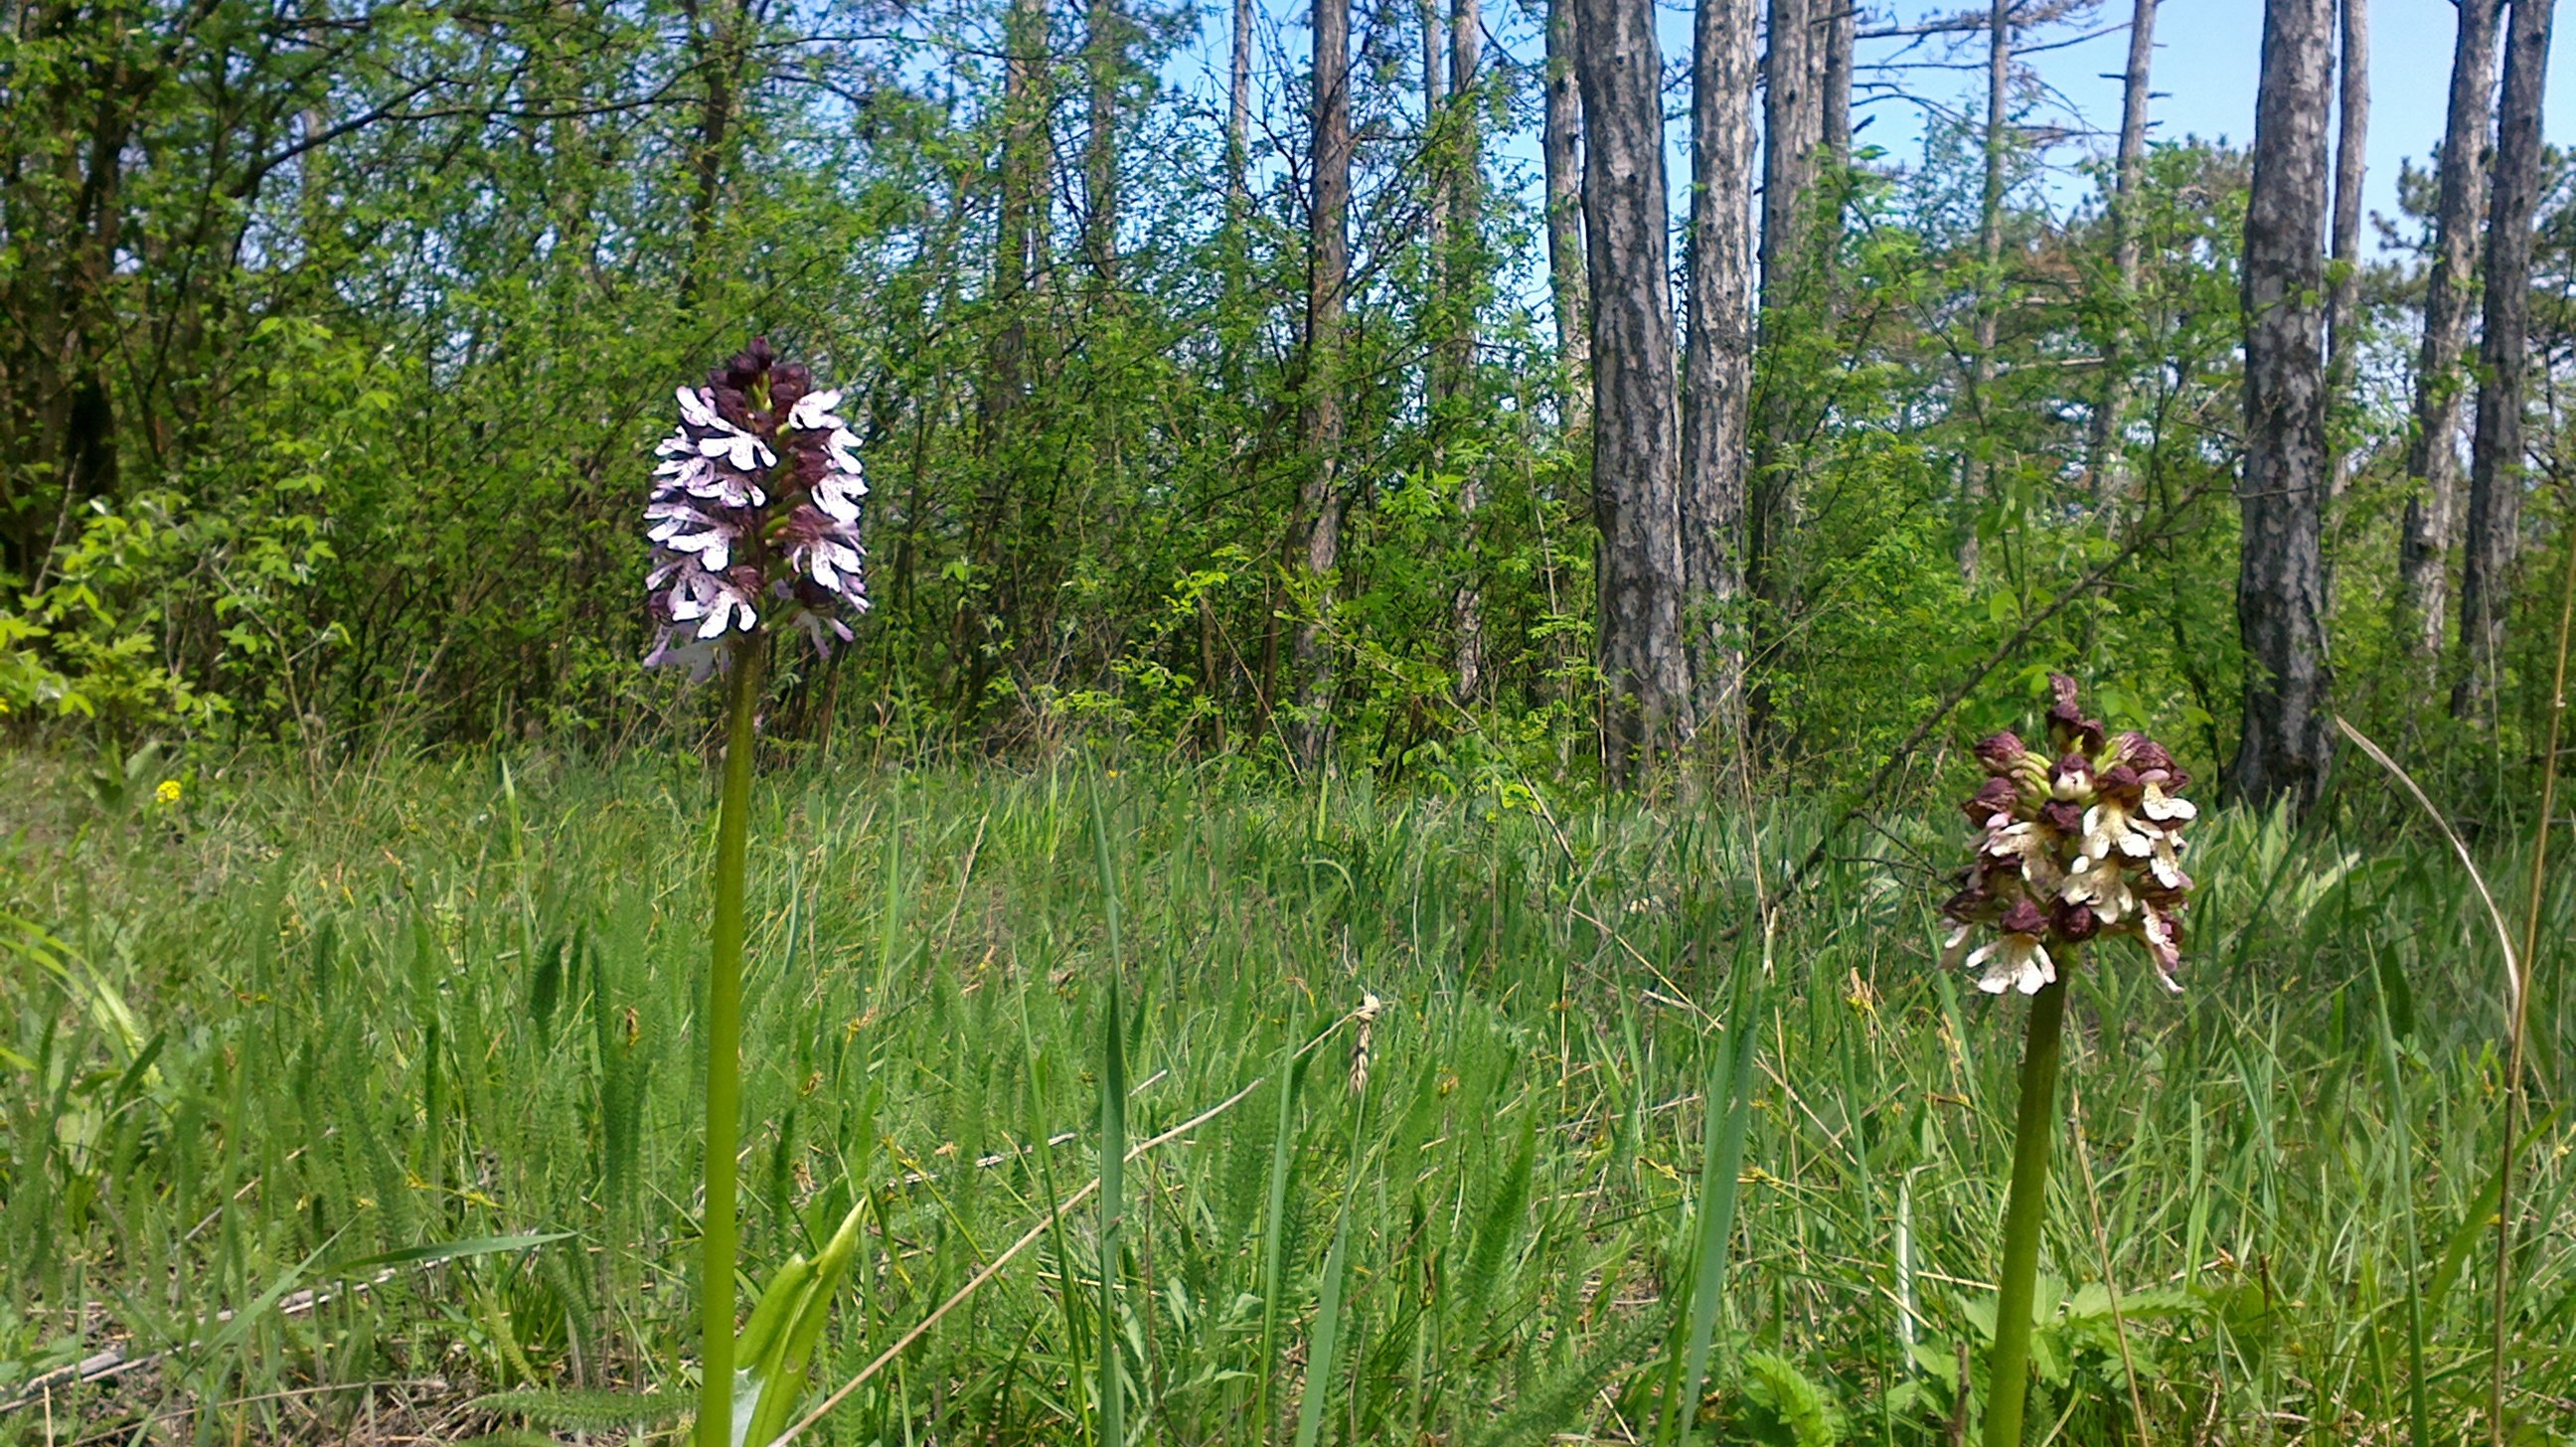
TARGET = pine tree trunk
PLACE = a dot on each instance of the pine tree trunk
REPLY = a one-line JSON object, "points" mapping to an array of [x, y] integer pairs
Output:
{"points": [[2282, 750], [1561, 148], [1834, 120], [1792, 126], [1635, 445], [2496, 461], [2343, 251], [2352, 133], [2433, 459], [1718, 362], [1319, 504], [1464, 279], [2101, 460]]}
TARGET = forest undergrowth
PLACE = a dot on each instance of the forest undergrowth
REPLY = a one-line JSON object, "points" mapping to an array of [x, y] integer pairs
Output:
{"points": [[362, 1108]]}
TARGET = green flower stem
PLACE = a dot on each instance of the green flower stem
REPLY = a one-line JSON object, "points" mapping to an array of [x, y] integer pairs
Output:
{"points": [[717, 1234], [2009, 1380]]}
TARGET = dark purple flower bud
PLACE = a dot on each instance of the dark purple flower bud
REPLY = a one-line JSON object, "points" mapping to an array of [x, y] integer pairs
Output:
{"points": [[2142, 753], [787, 383], [745, 367], [2000, 752], [1973, 905], [2068, 728], [1997, 797], [2118, 782], [2023, 918], [2064, 817], [2074, 921]]}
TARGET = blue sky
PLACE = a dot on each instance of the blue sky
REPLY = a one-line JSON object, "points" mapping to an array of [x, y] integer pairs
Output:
{"points": [[2207, 52]]}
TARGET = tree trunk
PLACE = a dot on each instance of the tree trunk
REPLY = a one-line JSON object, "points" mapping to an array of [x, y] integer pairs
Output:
{"points": [[1561, 146], [1838, 34], [719, 54], [1465, 272], [1019, 220], [2433, 458], [1635, 446], [1464, 157], [2282, 750], [2496, 461], [1834, 119], [1238, 116], [2101, 461], [1319, 504], [58, 419], [2352, 132], [1792, 126], [1103, 61], [1426, 14], [1718, 363], [1975, 469]]}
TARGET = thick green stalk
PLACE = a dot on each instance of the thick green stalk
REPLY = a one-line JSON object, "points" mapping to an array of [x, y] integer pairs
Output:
{"points": [[2009, 1380], [724, 1059]]}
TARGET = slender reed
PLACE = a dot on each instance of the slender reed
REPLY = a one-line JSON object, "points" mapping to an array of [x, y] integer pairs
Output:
{"points": [[2514, 1102], [1730, 1079], [1113, 1136]]}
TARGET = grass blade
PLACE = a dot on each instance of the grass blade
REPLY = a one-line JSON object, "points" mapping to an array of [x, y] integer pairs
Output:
{"points": [[1730, 1078]]}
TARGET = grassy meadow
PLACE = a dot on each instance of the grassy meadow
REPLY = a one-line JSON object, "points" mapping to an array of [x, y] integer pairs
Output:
{"points": [[364, 1108]]}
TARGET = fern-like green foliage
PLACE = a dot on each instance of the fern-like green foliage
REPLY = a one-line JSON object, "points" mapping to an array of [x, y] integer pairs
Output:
{"points": [[1498, 1227], [1557, 1404], [571, 1409], [1788, 1409]]}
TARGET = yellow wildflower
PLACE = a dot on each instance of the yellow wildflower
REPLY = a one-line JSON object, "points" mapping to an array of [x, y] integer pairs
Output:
{"points": [[169, 791]]}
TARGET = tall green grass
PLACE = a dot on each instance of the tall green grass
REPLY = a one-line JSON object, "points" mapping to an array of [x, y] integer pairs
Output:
{"points": [[426, 1046]]}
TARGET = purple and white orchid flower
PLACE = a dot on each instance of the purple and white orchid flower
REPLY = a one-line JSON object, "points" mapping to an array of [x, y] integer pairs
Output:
{"points": [[754, 513], [2087, 843]]}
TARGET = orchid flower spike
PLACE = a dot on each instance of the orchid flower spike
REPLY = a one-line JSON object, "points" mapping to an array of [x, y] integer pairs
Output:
{"points": [[754, 514], [2082, 841]]}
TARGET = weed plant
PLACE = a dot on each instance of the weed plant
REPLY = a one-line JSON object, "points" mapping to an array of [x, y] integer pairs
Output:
{"points": [[365, 1107]]}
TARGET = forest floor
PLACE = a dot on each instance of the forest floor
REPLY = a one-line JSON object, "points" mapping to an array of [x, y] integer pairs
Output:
{"points": [[364, 1108]]}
